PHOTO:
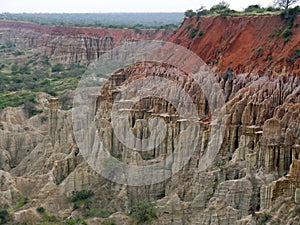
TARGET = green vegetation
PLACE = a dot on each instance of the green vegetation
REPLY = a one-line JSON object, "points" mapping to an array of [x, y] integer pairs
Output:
{"points": [[82, 201], [289, 17], [30, 109], [254, 8], [223, 9], [65, 101], [40, 210], [293, 59], [47, 218], [81, 195], [4, 216], [71, 221], [287, 33], [109, 222], [220, 8], [264, 218], [105, 20], [189, 13], [143, 211], [58, 67], [276, 33], [221, 164], [193, 33], [21, 202], [285, 4], [201, 33], [21, 80], [190, 26], [81, 198], [270, 57], [259, 49], [96, 212]]}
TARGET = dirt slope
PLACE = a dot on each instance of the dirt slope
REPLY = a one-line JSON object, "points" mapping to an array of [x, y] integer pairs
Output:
{"points": [[247, 44]]}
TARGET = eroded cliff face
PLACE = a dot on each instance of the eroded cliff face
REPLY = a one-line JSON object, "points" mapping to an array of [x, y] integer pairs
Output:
{"points": [[255, 173], [257, 163], [69, 44], [247, 44], [250, 44]]}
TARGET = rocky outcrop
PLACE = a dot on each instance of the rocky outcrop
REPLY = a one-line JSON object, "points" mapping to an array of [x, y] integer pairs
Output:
{"points": [[284, 187]]}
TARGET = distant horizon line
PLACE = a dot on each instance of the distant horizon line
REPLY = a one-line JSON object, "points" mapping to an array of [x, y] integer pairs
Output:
{"points": [[82, 12]]}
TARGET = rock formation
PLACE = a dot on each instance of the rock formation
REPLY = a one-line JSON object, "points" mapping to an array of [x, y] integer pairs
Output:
{"points": [[255, 173]]}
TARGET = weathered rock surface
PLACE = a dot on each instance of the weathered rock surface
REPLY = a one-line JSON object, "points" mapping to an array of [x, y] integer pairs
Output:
{"points": [[255, 172], [69, 44]]}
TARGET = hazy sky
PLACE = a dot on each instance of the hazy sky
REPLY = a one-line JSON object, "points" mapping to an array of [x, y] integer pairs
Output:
{"points": [[76, 6]]}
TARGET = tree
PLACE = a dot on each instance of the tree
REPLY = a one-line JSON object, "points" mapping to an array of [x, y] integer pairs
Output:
{"points": [[252, 8], [220, 6], [286, 5], [143, 211], [30, 109], [189, 13], [58, 67], [202, 11]]}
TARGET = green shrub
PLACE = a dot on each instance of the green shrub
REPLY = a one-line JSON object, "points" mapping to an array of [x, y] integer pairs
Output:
{"points": [[190, 26], [65, 101], [21, 202], [147, 155], [24, 70], [102, 213], [220, 7], [276, 33], [259, 49], [40, 210], [45, 60], [71, 221], [81, 195], [48, 217], [201, 33], [109, 222], [76, 206], [57, 68], [30, 109], [252, 8], [287, 33], [193, 33], [264, 218], [9, 44], [14, 68], [203, 12], [255, 9], [287, 40], [189, 13], [4, 216], [272, 9], [143, 211], [18, 53]]}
